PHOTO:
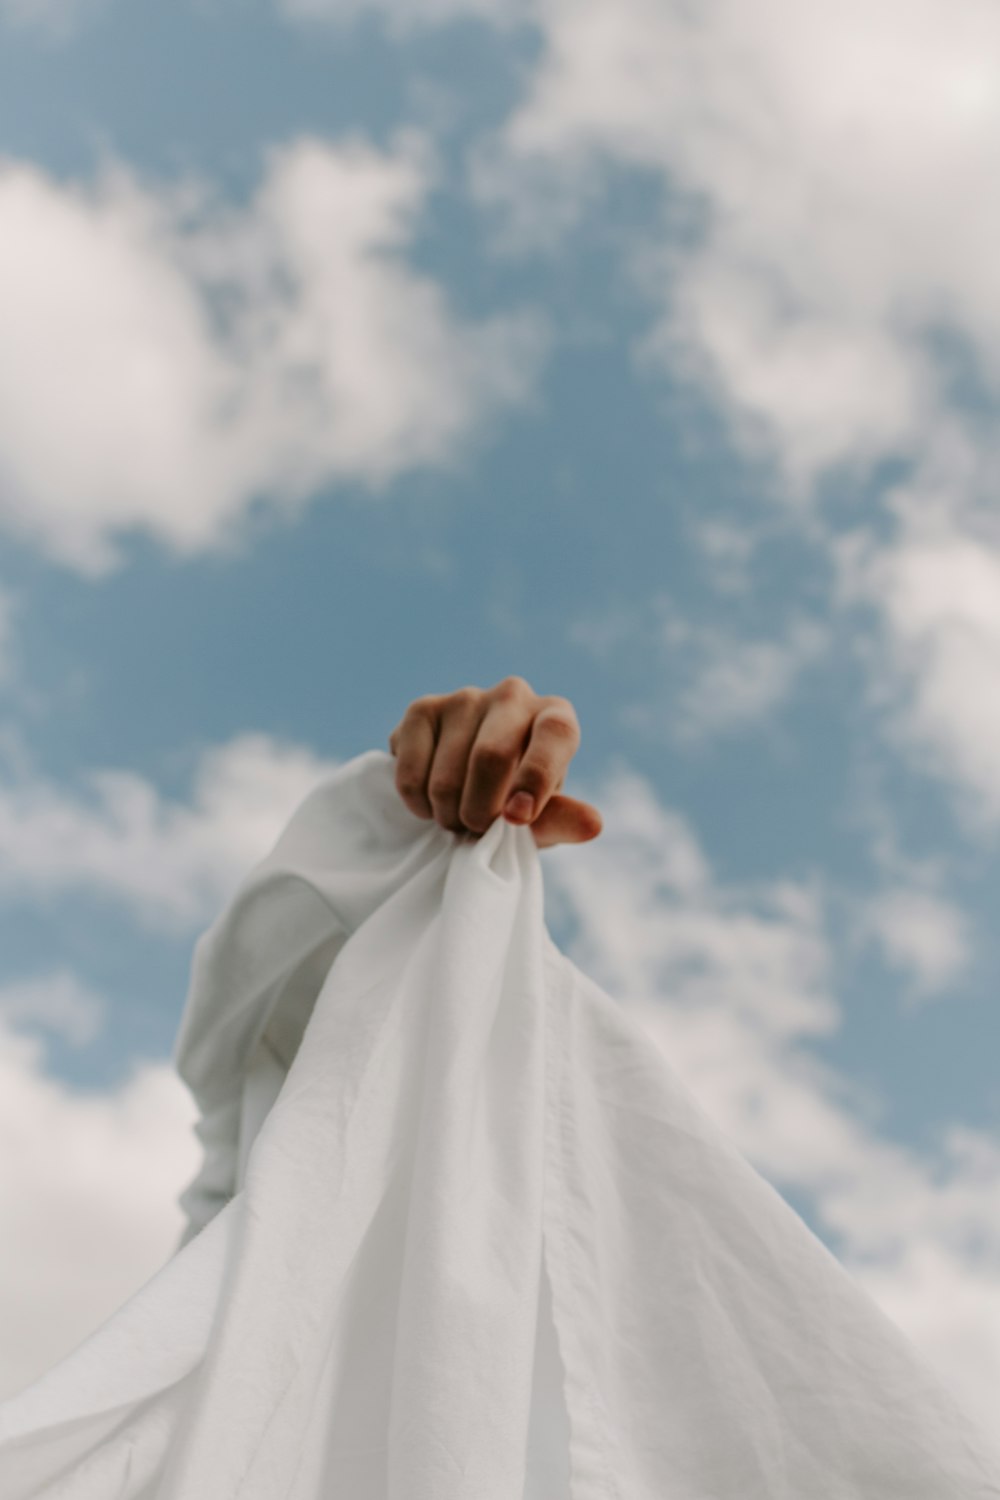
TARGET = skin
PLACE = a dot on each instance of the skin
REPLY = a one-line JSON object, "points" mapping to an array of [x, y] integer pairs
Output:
{"points": [[461, 757]]}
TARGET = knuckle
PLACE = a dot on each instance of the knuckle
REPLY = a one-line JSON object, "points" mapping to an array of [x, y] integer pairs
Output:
{"points": [[560, 723], [464, 698], [556, 703], [511, 687], [490, 762], [420, 708], [443, 791]]}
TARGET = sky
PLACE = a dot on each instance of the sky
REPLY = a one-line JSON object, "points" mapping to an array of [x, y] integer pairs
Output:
{"points": [[352, 350]]}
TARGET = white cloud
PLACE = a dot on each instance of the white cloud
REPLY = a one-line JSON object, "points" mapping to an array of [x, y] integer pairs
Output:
{"points": [[734, 682], [90, 1180], [728, 551], [89, 1184], [759, 954], [712, 679], [172, 863], [949, 1306], [169, 359], [735, 985], [935, 590], [813, 390], [922, 934], [824, 156], [59, 1002]]}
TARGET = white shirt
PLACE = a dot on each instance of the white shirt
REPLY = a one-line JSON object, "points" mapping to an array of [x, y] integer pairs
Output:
{"points": [[462, 1232]]}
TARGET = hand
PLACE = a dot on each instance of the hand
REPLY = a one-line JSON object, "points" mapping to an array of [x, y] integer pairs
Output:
{"points": [[462, 757]]}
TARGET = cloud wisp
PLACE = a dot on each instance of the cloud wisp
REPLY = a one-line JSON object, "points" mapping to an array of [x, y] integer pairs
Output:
{"points": [[712, 680]]}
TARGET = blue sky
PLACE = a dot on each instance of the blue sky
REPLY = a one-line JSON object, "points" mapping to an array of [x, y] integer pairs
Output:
{"points": [[356, 351]]}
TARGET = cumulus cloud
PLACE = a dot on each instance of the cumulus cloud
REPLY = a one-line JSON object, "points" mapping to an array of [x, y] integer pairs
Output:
{"points": [[920, 933], [821, 159], [935, 593], [89, 1184], [59, 1002], [731, 682], [172, 863], [90, 1180], [667, 925], [713, 679], [736, 984], [169, 359]]}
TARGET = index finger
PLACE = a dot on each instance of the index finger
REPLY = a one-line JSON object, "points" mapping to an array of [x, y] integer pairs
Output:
{"points": [[554, 740]]}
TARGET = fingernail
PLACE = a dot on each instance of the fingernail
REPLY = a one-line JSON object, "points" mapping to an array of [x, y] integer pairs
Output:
{"points": [[519, 806]]}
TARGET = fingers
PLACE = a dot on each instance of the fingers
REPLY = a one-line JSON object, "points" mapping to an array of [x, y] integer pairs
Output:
{"points": [[460, 718], [412, 743], [432, 744], [464, 757], [565, 820], [500, 741], [553, 741]]}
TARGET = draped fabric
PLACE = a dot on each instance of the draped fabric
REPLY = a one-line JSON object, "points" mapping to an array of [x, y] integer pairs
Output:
{"points": [[461, 1231]]}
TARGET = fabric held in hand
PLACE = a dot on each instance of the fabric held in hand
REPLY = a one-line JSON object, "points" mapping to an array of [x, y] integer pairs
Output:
{"points": [[461, 1233]]}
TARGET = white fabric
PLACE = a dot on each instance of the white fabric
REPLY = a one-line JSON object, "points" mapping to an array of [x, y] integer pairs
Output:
{"points": [[462, 1232]]}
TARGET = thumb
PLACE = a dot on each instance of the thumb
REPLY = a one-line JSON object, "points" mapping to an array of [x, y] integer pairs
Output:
{"points": [[565, 820]]}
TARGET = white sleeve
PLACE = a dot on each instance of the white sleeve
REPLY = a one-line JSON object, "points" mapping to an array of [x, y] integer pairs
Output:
{"points": [[227, 1129], [257, 970]]}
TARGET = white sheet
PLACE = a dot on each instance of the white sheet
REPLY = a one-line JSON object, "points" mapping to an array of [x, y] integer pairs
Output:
{"points": [[462, 1232]]}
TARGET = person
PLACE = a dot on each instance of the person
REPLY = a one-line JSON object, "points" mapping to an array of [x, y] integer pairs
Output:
{"points": [[468, 757]]}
